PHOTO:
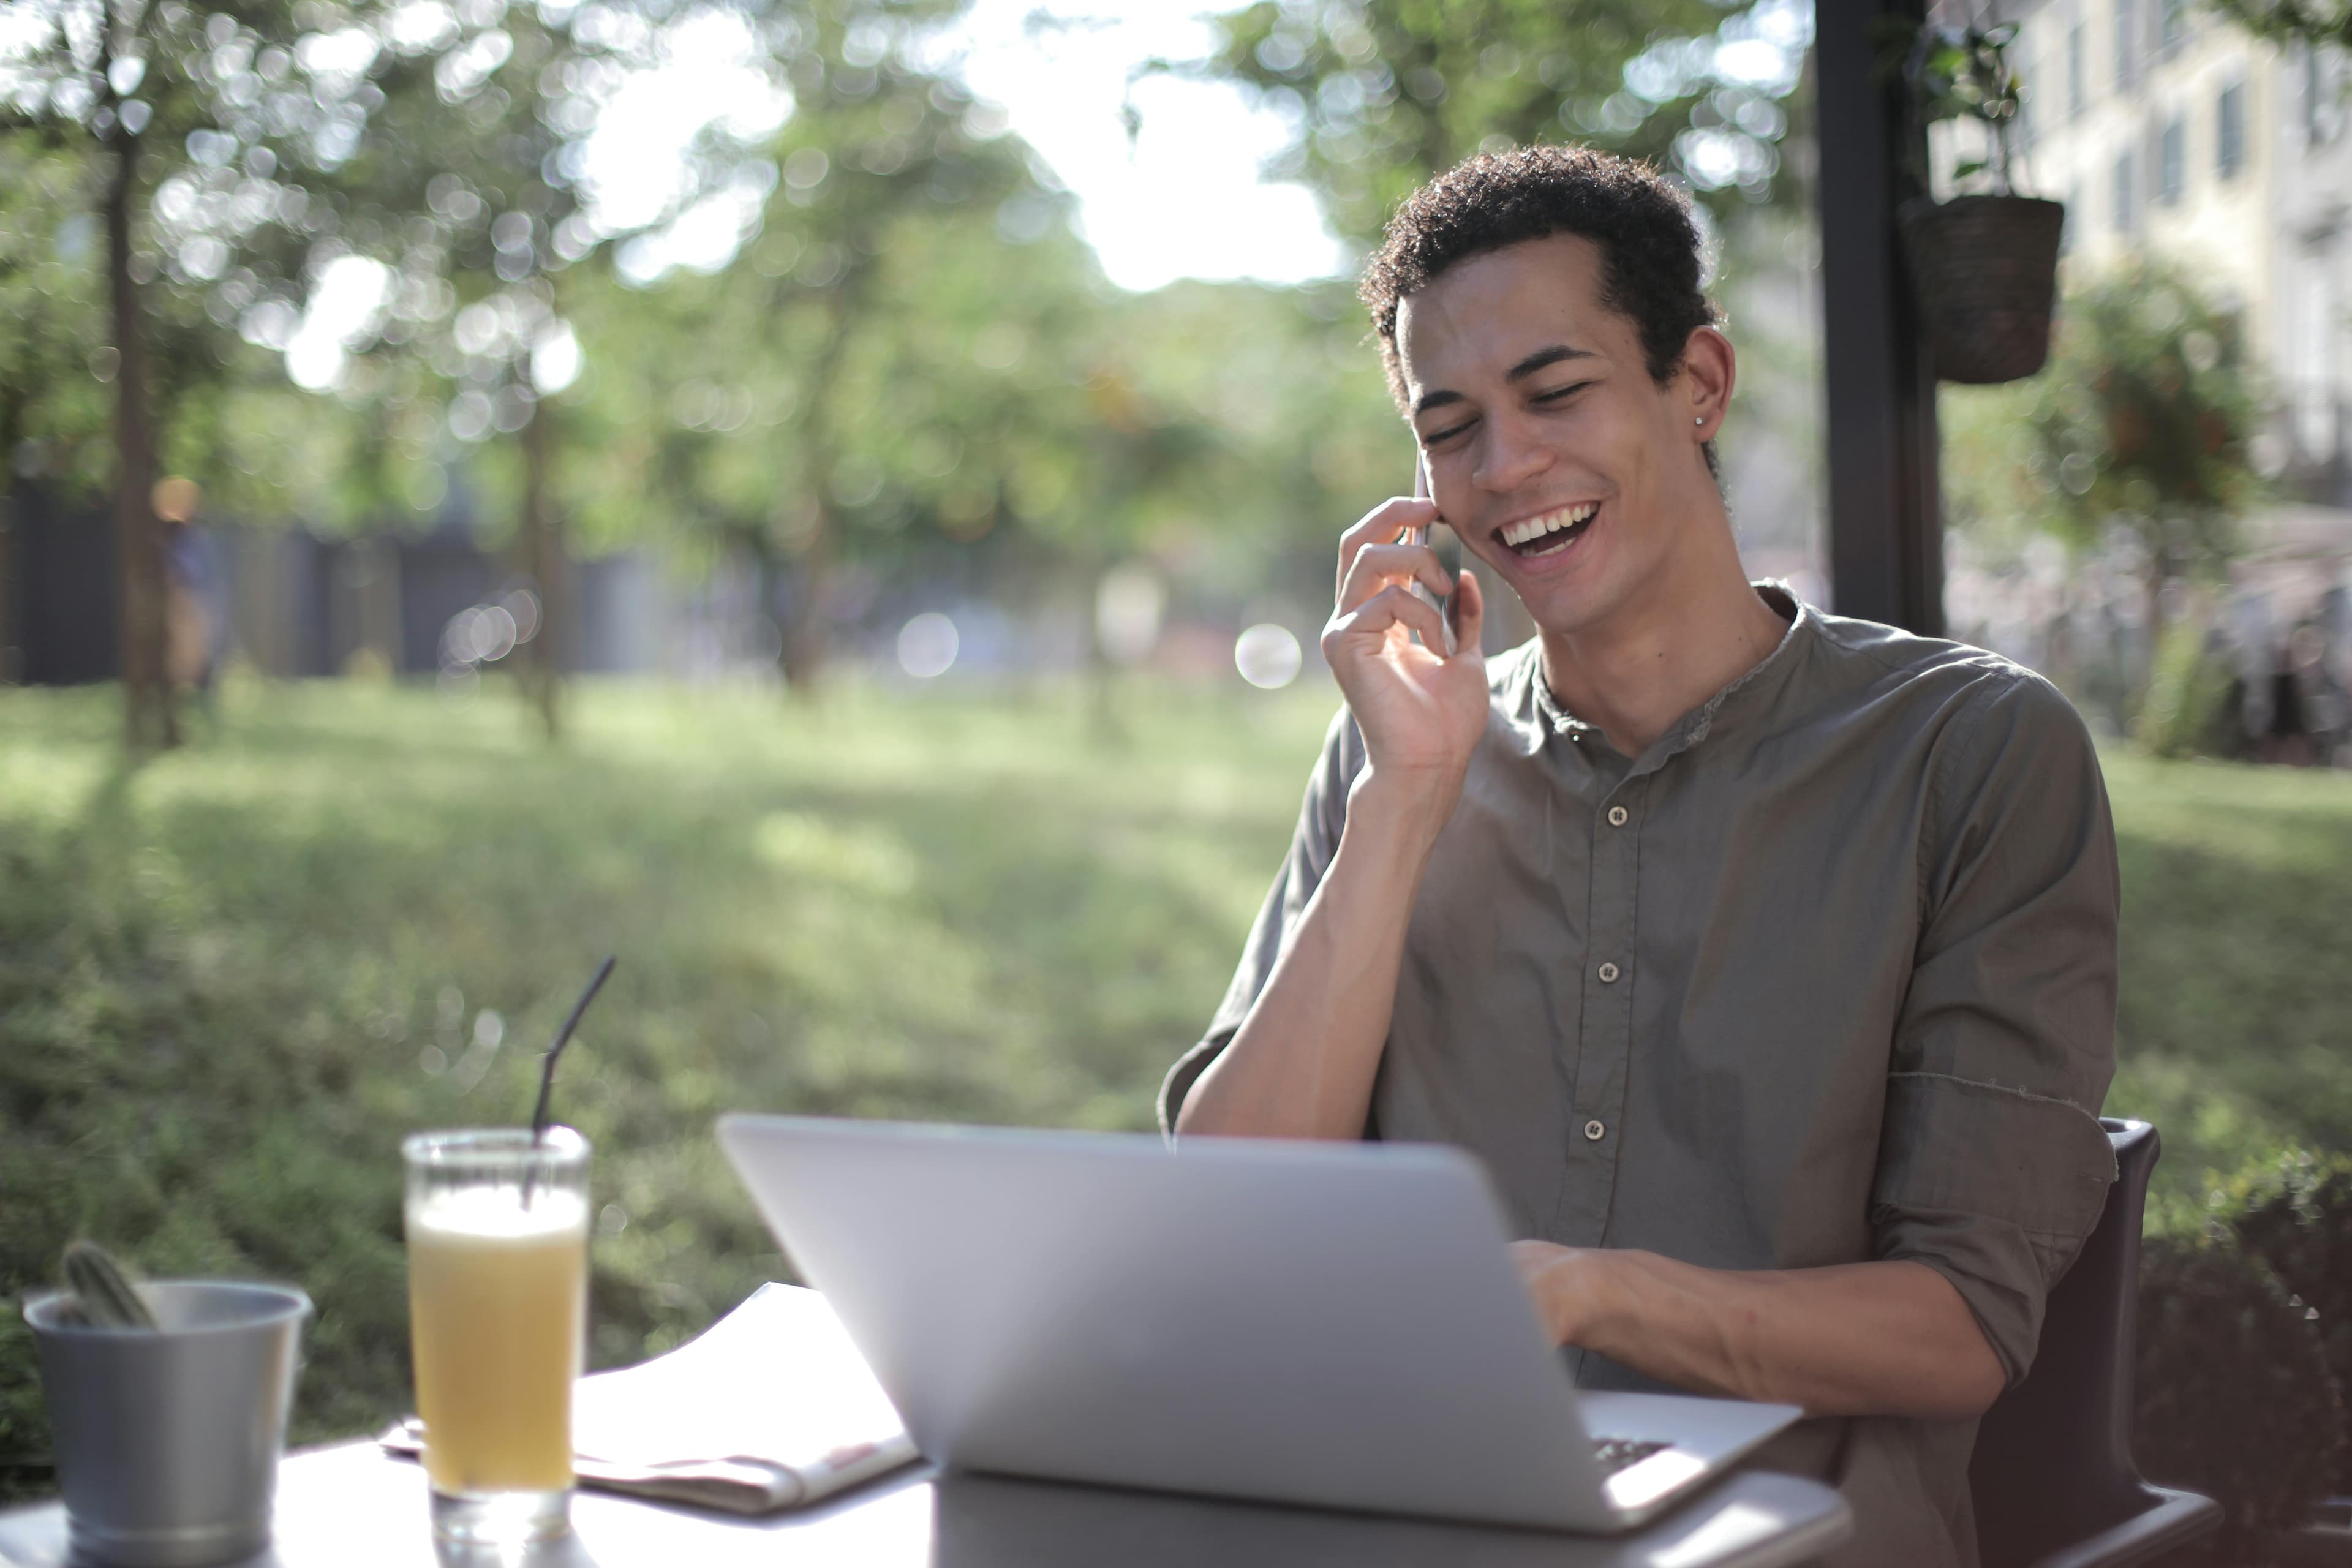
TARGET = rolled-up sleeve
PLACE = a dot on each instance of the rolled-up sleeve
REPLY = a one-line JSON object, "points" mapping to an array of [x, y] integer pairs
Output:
{"points": [[1992, 1165], [1321, 815]]}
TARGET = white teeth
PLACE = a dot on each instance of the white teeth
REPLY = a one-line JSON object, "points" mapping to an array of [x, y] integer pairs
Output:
{"points": [[1528, 528]]}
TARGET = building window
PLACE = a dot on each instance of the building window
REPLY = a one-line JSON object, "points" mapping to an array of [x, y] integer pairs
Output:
{"points": [[2127, 44], [2173, 29], [2127, 173], [2321, 118], [2229, 133], [2172, 160]]}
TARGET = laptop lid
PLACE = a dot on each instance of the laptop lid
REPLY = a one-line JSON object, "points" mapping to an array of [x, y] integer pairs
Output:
{"points": [[1305, 1323]]}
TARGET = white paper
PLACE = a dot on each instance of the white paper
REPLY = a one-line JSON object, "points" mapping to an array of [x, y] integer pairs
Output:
{"points": [[777, 1379]]}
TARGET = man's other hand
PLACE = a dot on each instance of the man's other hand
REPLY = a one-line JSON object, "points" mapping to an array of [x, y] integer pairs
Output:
{"points": [[1889, 1338], [1421, 709]]}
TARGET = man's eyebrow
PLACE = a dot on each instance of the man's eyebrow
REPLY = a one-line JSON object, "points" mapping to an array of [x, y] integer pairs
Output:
{"points": [[1542, 357], [1519, 371]]}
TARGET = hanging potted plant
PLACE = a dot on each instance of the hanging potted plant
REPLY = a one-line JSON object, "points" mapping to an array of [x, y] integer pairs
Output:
{"points": [[1985, 263]]}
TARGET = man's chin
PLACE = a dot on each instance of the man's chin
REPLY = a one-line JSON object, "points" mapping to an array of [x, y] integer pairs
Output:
{"points": [[1569, 607]]}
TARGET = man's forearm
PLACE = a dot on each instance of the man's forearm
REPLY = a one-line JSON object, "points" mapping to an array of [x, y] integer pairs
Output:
{"points": [[1302, 1064], [1862, 1339]]}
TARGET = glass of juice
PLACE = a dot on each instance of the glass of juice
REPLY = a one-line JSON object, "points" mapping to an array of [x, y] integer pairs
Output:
{"points": [[498, 1308]]}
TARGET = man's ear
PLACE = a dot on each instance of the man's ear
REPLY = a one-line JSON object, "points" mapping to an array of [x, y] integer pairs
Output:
{"points": [[1703, 390]]}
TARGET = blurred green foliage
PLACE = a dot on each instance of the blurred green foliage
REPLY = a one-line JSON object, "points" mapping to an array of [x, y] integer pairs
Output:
{"points": [[2135, 441], [2295, 1214], [2142, 423], [241, 122], [2145, 418], [912, 363], [1388, 93], [53, 406], [2186, 711], [2313, 24], [2234, 1397]]}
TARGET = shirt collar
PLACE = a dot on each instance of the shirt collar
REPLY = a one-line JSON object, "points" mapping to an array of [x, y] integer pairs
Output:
{"points": [[1765, 676]]}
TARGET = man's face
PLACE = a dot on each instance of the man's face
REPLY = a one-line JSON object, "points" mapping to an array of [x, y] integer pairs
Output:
{"points": [[1551, 452]]}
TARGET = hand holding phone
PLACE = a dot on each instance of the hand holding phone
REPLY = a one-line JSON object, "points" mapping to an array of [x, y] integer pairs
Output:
{"points": [[1420, 701]]}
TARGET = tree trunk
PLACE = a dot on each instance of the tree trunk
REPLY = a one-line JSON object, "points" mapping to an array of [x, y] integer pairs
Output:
{"points": [[1102, 674], [150, 710], [2058, 657], [769, 613], [807, 635], [11, 654], [541, 538], [2160, 572]]}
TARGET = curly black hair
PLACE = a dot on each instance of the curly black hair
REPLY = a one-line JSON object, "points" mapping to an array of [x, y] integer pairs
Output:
{"points": [[1650, 266]]}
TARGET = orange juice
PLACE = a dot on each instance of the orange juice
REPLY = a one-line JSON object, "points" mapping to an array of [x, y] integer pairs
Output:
{"points": [[497, 1306]]}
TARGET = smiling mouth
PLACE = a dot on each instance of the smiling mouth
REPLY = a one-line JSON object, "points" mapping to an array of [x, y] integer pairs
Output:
{"points": [[1549, 533]]}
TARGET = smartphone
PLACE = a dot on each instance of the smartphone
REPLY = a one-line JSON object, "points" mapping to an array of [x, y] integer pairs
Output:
{"points": [[1449, 550]]}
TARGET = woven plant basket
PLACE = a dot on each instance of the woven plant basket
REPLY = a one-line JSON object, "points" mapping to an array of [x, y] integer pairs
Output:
{"points": [[1986, 270]]}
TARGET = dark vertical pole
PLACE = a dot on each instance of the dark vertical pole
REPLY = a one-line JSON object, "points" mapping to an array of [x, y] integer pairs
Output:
{"points": [[1885, 504]]}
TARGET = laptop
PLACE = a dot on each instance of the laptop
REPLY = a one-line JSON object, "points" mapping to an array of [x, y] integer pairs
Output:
{"points": [[1335, 1324]]}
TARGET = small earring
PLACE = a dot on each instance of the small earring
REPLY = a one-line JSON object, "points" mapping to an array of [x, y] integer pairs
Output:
{"points": [[1699, 421]]}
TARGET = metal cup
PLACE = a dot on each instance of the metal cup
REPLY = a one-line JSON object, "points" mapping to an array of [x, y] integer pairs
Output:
{"points": [[167, 1440]]}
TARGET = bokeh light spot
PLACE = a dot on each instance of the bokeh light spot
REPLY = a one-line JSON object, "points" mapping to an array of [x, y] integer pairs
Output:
{"points": [[927, 646], [1267, 656]]}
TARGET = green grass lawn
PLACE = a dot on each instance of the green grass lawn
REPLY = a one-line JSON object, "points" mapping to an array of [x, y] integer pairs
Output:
{"points": [[2235, 1031], [230, 980]]}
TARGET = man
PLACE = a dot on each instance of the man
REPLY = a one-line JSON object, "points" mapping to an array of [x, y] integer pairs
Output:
{"points": [[1767, 958]]}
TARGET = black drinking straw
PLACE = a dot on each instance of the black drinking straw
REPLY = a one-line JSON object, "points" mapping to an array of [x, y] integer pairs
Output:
{"points": [[546, 1067]]}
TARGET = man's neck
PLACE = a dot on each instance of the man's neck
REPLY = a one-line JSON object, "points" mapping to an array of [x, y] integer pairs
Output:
{"points": [[1694, 628]]}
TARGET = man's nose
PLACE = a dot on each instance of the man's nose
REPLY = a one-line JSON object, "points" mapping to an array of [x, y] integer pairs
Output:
{"points": [[1509, 454]]}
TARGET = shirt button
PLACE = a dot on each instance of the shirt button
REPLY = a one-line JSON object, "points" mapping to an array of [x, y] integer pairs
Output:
{"points": [[1607, 974], [1595, 1132], [1616, 817]]}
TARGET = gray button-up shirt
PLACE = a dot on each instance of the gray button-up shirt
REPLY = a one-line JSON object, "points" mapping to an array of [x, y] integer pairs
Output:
{"points": [[1826, 974]]}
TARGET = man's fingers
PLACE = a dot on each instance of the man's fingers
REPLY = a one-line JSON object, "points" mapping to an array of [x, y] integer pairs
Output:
{"points": [[1391, 606], [1378, 566], [1384, 525]]}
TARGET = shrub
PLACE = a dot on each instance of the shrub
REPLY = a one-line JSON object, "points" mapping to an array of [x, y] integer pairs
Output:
{"points": [[2187, 710], [2298, 1219], [2235, 1397]]}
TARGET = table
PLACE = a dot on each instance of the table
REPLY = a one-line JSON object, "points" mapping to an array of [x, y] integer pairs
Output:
{"points": [[349, 1505]]}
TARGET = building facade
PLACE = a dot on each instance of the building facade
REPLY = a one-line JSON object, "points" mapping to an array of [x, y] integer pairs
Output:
{"points": [[2171, 133], [2168, 131]]}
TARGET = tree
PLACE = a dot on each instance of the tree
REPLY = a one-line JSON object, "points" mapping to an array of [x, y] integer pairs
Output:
{"points": [[1389, 93], [53, 415], [2143, 425], [897, 359], [981, 408], [502, 248], [470, 170], [2311, 23], [204, 136]]}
